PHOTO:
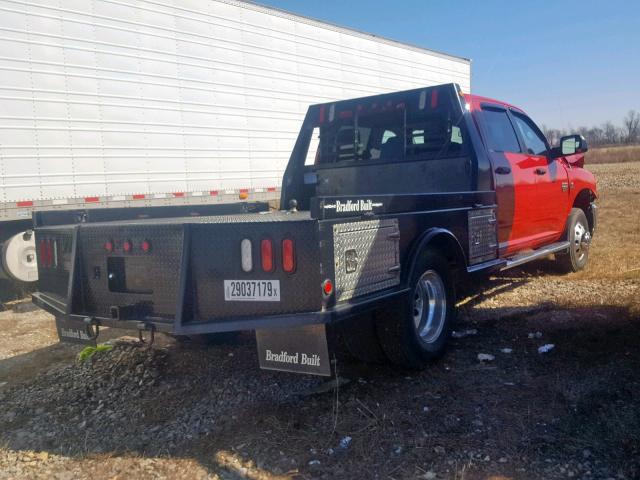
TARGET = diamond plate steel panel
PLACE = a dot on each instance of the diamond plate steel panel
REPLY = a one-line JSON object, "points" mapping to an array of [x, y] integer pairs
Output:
{"points": [[243, 218], [159, 268], [54, 275], [366, 256], [483, 240]]}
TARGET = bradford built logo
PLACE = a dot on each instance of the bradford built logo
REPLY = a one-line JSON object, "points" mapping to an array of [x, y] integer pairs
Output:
{"points": [[295, 358], [353, 206], [74, 333]]}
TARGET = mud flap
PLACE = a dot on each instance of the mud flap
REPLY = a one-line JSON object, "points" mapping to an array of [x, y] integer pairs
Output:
{"points": [[298, 350], [74, 332]]}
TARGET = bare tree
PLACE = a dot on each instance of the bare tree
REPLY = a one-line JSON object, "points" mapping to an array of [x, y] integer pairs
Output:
{"points": [[553, 135], [631, 124], [610, 133], [606, 134]]}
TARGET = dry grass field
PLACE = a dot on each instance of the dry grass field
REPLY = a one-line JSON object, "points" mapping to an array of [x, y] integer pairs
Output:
{"points": [[176, 411], [617, 242], [614, 154]]}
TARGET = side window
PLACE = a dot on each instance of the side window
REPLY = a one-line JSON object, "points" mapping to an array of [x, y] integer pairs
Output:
{"points": [[533, 142], [501, 136]]}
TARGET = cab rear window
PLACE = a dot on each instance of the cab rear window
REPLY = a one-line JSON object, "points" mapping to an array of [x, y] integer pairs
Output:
{"points": [[422, 127]]}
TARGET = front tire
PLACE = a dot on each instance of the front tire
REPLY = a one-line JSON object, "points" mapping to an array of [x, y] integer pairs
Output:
{"points": [[416, 331], [579, 238]]}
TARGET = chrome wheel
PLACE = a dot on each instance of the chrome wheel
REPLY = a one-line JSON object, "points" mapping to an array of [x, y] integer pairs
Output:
{"points": [[581, 240], [429, 306]]}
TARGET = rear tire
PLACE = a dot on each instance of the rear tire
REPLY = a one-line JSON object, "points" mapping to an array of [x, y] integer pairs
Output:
{"points": [[415, 331], [579, 238]]}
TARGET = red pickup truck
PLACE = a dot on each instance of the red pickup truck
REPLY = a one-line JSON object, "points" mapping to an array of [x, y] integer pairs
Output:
{"points": [[544, 194], [389, 200]]}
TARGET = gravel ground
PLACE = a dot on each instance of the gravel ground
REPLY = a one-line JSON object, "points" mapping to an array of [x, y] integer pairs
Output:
{"points": [[540, 382]]}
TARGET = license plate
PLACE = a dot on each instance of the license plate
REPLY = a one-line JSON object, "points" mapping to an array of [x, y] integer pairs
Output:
{"points": [[252, 290]]}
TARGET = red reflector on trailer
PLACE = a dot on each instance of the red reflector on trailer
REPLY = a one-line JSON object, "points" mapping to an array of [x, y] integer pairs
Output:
{"points": [[146, 246], [127, 246], [108, 246], [288, 255], [266, 251]]}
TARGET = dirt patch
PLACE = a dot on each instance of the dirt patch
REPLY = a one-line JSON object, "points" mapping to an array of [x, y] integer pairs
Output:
{"points": [[558, 397]]}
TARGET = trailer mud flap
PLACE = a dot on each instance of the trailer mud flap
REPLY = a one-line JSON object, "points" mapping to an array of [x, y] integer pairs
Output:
{"points": [[75, 332], [298, 350]]}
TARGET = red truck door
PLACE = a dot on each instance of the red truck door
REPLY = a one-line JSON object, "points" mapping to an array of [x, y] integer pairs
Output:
{"points": [[516, 176], [551, 180]]}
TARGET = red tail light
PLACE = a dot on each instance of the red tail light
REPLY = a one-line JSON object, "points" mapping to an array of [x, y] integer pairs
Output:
{"points": [[146, 246], [288, 255], [108, 246], [327, 287], [266, 249], [127, 246]]}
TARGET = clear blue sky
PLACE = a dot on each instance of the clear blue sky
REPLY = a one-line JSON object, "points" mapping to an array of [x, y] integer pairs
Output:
{"points": [[567, 63]]}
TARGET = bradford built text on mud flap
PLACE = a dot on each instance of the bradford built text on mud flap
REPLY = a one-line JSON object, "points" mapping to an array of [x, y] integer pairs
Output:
{"points": [[296, 358]]}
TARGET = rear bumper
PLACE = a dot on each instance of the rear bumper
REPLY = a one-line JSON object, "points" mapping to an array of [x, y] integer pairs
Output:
{"points": [[175, 327]]}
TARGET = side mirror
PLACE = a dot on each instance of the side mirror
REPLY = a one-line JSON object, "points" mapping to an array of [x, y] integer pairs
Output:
{"points": [[572, 144]]}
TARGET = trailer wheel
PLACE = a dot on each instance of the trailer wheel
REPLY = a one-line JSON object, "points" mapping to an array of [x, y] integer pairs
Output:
{"points": [[361, 339], [579, 238], [415, 331]]}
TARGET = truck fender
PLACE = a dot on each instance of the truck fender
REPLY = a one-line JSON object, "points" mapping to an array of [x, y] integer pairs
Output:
{"points": [[584, 200], [443, 240]]}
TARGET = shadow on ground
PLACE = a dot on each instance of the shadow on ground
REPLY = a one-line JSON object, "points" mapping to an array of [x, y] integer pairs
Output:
{"points": [[525, 414]]}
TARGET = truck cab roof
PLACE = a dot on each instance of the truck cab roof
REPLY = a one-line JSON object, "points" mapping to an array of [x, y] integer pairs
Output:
{"points": [[476, 101]]}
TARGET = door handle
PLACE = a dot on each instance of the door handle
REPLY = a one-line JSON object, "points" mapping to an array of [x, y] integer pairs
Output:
{"points": [[540, 171], [503, 170]]}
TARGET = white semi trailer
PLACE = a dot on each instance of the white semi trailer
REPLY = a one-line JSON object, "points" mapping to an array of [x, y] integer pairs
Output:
{"points": [[120, 103]]}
